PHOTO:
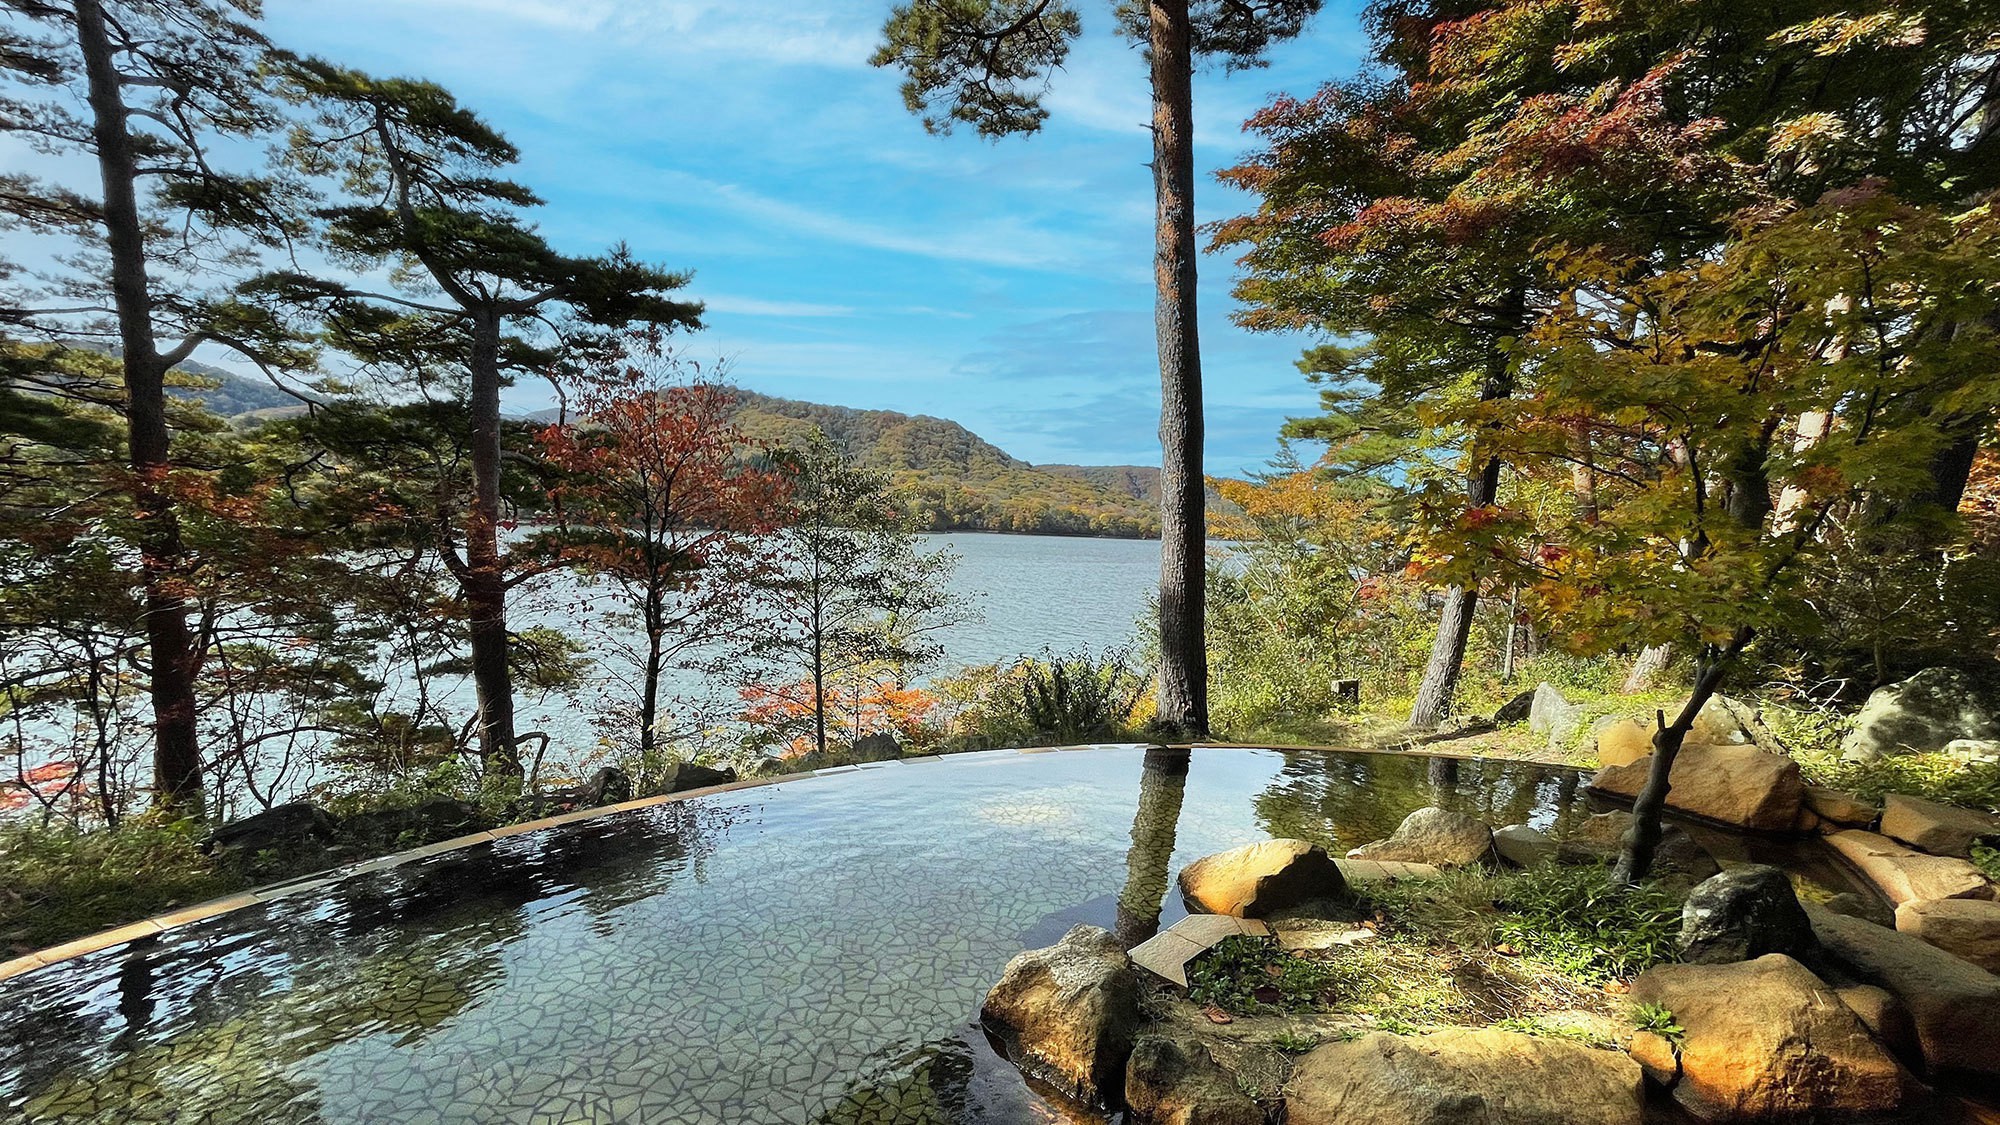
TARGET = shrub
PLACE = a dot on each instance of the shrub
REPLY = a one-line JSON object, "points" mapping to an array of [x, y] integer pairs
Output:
{"points": [[1934, 777], [1079, 695], [1250, 974]]}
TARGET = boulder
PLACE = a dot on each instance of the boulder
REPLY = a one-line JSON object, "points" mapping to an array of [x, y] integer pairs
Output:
{"points": [[1515, 709], [382, 830], [1619, 741], [1953, 1004], [1737, 785], [1743, 914], [1936, 828], [1903, 875], [1259, 880], [1068, 1014], [1435, 836], [1928, 711], [1172, 1080], [1766, 1040], [1843, 809], [1723, 721], [1965, 928], [1453, 1077], [276, 827], [608, 786], [878, 747], [1885, 1018], [683, 776], [1599, 839], [1869, 908], [1553, 716], [1656, 1055], [1523, 846], [1969, 750]]}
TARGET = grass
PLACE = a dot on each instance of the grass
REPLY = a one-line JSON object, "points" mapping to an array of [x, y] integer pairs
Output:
{"points": [[57, 884], [1570, 917], [1659, 1020], [1522, 951], [1935, 777]]}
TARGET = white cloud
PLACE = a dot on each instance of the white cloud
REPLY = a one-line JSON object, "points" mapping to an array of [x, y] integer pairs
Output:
{"points": [[998, 241], [753, 306]]}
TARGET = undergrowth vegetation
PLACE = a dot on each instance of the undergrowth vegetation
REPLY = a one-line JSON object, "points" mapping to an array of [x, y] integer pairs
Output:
{"points": [[1528, 951], [59, 883]]}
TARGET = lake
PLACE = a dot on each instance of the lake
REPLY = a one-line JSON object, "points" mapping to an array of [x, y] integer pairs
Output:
{"points": [[1037, 591]]}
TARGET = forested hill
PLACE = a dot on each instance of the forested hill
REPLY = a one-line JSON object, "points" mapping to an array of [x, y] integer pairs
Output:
{"points": [[958, 481], [953, 479]]}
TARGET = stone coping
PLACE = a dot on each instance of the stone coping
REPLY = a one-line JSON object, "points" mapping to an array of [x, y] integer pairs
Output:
{"points": [[160, 923]]}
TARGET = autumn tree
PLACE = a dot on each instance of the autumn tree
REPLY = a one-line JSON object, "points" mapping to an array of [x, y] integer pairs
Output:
{"points": [[850, 588], [159, 96], [662, 498], [1834, 309], [1407, 209], [475, 299], [976, 62]]}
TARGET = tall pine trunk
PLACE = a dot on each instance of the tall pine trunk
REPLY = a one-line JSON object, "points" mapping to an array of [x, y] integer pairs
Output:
{"points": [[485, 578], [177, 771], [1183, 706]]}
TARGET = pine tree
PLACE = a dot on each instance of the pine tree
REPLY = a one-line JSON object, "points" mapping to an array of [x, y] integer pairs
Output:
{"points": [[973, 62], [477, 298], [154, 93]]}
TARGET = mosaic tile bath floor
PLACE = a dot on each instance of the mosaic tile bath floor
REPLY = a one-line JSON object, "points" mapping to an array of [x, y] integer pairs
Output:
{"points": [[807, 952]]}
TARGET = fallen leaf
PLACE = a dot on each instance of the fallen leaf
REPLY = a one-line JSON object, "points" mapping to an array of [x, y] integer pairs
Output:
{"points": [[1217, 1015]]}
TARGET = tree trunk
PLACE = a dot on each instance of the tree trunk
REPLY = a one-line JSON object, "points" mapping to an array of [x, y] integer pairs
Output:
{"points": [[1439, 688], [1635, 860], [649, 695], [1652, 661], [819, 685], [177, 772], [1183, 705], [485, 577]]}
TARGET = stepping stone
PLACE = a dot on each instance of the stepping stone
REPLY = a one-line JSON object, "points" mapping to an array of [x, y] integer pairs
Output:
{"points": [[1904, 875], [1167, 953], [1936, 828]]}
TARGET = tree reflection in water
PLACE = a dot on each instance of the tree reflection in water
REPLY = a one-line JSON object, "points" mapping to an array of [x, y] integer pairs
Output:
{"points": [[1162, 787]]}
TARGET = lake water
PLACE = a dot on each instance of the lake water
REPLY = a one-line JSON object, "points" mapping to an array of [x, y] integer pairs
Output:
{"points": [[1039, 591]]}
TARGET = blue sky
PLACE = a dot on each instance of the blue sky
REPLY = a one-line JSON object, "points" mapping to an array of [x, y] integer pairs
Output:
{"points": [[846, 256]]}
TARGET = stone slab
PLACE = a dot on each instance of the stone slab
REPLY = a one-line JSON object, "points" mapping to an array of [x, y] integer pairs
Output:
{"points": [[1905, 875]]}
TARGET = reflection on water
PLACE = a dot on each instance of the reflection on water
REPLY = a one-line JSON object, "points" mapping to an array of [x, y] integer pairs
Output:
{"points": [[1346, 800], [810, 951], [1162, 788]]}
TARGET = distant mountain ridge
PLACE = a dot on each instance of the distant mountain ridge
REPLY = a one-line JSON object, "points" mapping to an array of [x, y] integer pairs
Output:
{"points": [[958, 481], [953, 479]]}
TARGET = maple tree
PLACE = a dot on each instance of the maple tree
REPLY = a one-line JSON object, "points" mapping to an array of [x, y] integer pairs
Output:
{"points": [[972, 62], [662, 498]]}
